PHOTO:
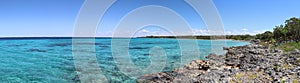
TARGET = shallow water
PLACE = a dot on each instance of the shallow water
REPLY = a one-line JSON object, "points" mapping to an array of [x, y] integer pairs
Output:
{"points": [[51, 60]]}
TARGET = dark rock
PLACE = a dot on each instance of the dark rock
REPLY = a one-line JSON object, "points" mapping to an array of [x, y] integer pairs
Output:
{"points": [[36, 50], [255, 41], [60, 44], [231, 51], [225, 48], [139, 48], [212, 56], [76, 79]]}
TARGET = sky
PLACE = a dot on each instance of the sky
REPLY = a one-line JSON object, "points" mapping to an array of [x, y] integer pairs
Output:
{"points": [[56, 18]]}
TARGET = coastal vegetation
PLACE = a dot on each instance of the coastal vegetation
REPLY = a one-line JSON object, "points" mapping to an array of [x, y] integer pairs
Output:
{"points": [[285, 37], [289, 32], [250, 63], [289, 46], [246, 37]]}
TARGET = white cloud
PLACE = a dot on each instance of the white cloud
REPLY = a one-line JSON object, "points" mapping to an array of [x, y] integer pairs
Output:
{"points": [[243, 32], [144, 31], [154, 32], [244, 29], [201, 31], [104, 34]]}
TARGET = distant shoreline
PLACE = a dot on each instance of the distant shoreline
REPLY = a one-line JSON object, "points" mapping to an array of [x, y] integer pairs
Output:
{"points": [[209, 37], [57, 37]]}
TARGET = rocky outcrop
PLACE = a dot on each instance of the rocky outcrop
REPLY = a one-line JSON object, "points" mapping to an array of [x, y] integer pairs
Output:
{"points": [[255, 41], [250, 63]]}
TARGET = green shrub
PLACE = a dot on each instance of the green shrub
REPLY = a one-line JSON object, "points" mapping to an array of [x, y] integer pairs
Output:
{"points": [[289, 46]]}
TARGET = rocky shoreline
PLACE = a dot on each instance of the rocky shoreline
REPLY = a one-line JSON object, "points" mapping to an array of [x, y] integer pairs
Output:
{"points": [[250, 63]]}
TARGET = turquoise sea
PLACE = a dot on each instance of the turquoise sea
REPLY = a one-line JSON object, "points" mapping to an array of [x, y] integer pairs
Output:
{"points": [[51, 60]]}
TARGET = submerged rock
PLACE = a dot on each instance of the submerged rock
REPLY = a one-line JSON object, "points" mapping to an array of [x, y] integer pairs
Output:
{"points": [[36, 50]]}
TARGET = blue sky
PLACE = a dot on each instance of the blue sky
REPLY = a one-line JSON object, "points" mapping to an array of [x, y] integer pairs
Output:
{"points": [[48, 18]]}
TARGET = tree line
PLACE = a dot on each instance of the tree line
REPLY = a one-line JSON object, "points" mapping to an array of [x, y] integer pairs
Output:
{"points": [[289, 32]]}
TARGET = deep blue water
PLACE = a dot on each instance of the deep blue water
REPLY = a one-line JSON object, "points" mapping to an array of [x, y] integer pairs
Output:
{"points": [[51, 59]]}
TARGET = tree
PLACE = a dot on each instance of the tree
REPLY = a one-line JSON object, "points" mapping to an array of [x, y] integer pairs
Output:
{"points": [[280, 33], [289, 32], [266, 36], [293, 27]]}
